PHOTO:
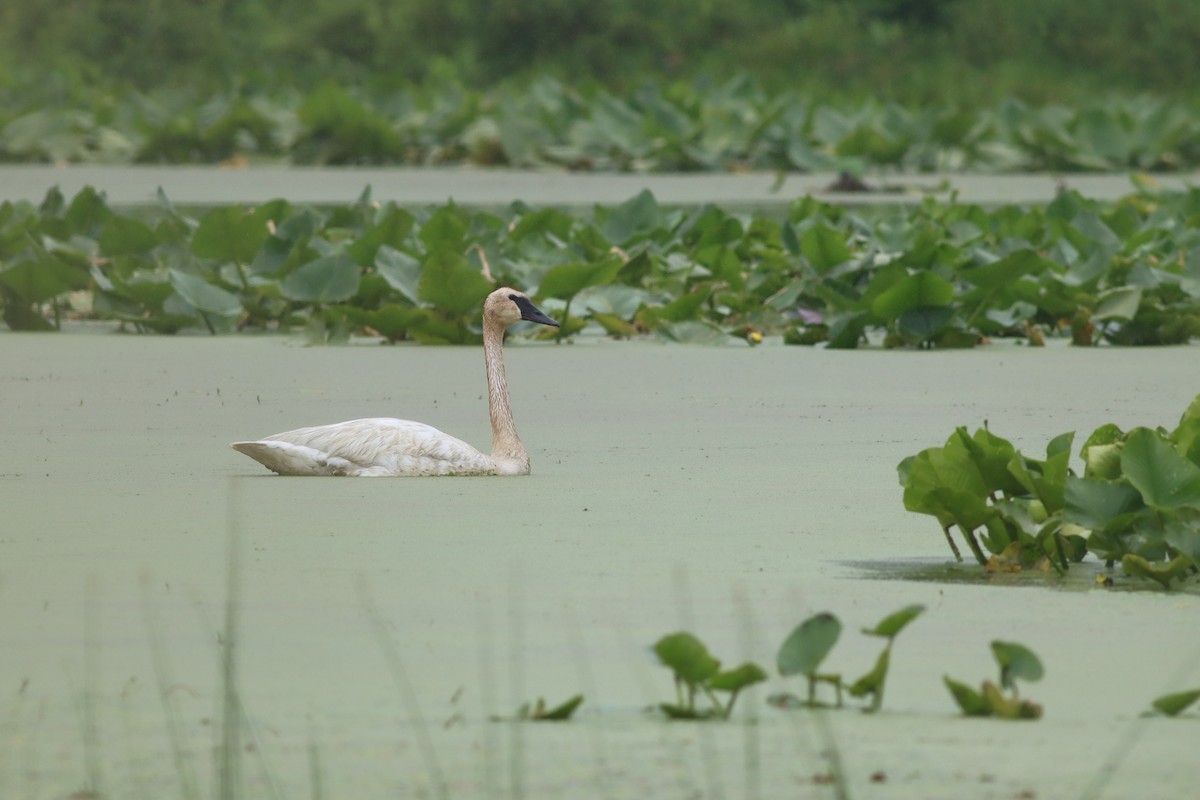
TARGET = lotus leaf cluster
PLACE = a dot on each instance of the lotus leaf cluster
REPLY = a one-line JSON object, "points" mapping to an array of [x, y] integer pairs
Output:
{"points": [[696, 671], [806, 647], [682, 126], [934, 275], [1136, 502]]}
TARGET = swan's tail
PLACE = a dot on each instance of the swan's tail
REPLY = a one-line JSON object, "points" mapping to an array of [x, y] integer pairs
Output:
{"points": [[292, 459]]}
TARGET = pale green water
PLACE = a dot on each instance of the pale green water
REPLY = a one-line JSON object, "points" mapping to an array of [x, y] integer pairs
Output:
{"points": [[718, 489]]}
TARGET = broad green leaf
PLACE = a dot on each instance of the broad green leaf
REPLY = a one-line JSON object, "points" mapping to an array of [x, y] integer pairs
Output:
{"points": [[1174, 704], [687, 657], [204, 296], [1101, 453], [22, 316], [1166, 479], [1008, 269], [400, 270], [1095, 230], [736, 679], [232, 233], [446, 231], [37, 280], [991, 455], [1181, 531], [846, 330], [1017, 662], [914, 291], [1186, 436], [1119, 303], [546, 221], [1046, 479], [917, 325], [1177, 568], [945, 482], [390, 320], [637, 215], [122, 236], [824, 247], [1097, 504], [390, 231], [430, 326], [87, 212], [807, 645], [895, 622], [614, 325], [684, 308], [564, 281], [326, 280], [447, 282]]}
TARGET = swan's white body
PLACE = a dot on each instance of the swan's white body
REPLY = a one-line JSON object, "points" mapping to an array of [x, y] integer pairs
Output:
{"points": [[384, 447]]}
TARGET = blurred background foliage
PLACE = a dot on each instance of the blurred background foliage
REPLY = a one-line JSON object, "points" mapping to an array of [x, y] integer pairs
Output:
{"points": [[965, 52]]}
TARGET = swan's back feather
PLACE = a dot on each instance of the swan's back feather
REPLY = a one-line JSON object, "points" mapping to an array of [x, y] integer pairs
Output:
{"points": [[377, 446]]}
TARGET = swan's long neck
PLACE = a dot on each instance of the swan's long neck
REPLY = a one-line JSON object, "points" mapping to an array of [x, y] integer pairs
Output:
{"points": [[506, 444]]}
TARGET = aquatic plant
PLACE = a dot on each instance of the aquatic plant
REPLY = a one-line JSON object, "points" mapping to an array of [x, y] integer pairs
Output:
{"points": [[1174, 704], [540, 712], [1015, 662], [806, 647], [1137, 502], [930, 275], [696, 671]]}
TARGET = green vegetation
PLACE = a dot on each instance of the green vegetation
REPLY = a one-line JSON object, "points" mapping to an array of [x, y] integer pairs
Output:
{"points": [[934, 275], [696, 671], [1172, 705], [806, 647], [1137, 502], [913, 51], [539, 712], [764, 84], [734, 124], [1015, 661]]}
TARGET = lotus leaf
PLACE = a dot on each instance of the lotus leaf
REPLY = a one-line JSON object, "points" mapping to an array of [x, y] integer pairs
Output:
{"points": [[1016, 662], [807, 645], [1174, 704]]}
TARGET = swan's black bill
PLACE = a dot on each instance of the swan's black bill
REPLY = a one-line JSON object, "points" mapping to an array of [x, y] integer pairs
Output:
{"points": [[530, 312]]}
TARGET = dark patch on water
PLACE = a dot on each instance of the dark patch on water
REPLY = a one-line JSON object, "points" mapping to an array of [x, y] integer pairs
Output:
{"points": [[1085, 576]]}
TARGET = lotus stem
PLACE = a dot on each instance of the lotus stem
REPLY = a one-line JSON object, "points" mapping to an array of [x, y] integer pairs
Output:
{"points": [[950, 541], [969, 535]]}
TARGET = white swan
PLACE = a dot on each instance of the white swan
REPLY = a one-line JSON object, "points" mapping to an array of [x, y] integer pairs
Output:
{"points": [[398, 447]]}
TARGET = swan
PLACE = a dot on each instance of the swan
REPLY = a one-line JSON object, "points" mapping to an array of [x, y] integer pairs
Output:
{"points": [[384, 447]]}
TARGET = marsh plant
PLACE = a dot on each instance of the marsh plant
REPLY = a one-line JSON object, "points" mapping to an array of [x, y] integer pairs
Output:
{"points": [[539, 712], [1136, 503], [932, 275], [697, 673], [1174, 704], [1016, 662], [806, 647]]}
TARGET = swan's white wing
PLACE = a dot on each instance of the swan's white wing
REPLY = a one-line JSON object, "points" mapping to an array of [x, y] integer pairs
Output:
{"points": [[293, 459], [368, 447]]}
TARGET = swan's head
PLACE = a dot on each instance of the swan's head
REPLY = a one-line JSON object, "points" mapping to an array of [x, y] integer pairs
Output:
{"points": [[509, 306]]}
